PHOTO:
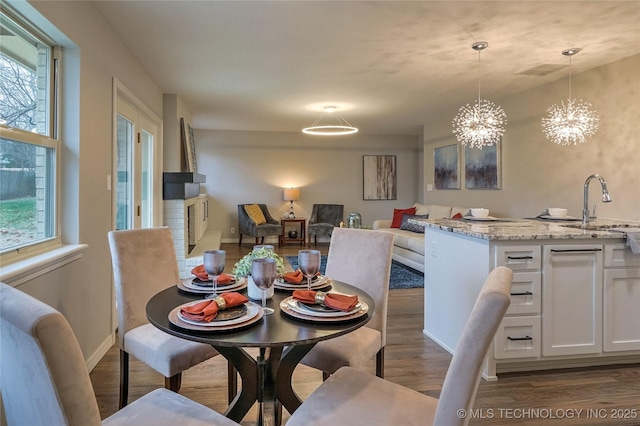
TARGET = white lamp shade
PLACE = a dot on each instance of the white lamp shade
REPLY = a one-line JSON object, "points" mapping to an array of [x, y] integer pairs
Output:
{"points": [[291, 194]]}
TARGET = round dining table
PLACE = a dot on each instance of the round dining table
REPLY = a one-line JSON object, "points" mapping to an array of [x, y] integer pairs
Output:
{"points": [[283, 341]]}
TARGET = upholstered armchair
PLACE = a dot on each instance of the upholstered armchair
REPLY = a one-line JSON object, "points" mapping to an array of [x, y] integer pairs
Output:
{"points": [[324, 217], [258, 224]]}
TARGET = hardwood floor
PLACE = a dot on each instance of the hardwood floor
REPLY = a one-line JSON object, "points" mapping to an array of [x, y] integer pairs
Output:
{"points": [[536, 398]]}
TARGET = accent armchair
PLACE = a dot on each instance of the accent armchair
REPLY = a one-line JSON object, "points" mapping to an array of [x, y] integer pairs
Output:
{"points": [[247, 226], [324, 218]]}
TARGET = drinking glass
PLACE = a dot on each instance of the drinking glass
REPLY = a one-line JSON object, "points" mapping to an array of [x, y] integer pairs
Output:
{"points": [[263, 273], [309, 262], [214, 261]]}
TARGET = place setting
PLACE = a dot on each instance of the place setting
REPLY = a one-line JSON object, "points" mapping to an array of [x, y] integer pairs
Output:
{"points": [[308, 273], [556, 213], [479, 215], [212, 280], [320, 306]]}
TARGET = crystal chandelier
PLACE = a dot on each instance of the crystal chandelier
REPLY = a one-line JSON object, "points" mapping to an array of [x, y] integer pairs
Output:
{"points": [[572, 122], [481, 124]]}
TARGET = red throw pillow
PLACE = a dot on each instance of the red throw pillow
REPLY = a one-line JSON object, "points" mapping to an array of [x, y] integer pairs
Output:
{"points": [[397, 216]]}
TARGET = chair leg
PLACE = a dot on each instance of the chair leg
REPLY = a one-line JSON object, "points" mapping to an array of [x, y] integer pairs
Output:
{"points": [[380, 363], [124, 378], [173, 383], [240, 242], [232, 381], [325, 376]]}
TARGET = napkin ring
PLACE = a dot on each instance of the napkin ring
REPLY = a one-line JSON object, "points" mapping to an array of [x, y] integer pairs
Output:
{"points": [[222, 304], [320, 297]]}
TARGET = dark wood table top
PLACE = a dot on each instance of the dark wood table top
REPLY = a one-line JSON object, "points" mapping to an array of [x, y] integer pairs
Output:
{"points": [[275, 330]]}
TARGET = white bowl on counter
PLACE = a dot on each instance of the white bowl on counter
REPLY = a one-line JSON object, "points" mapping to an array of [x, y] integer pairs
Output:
{"points": [[480, 213], [557, 212]]}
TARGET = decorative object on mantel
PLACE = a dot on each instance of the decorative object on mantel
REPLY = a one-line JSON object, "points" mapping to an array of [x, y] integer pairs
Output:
{"points": [[339, 128], [483, 123], [574, 122], [291, 195], [189, 144], [242, 270]]}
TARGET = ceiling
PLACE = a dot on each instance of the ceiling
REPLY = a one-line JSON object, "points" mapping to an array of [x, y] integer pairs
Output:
{"points": [[387, 65]]}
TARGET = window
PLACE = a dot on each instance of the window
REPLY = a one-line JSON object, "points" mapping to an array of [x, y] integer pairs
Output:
{"points": [[28, 139]]}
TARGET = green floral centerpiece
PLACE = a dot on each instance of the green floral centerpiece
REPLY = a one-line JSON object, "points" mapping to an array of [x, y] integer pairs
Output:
{"points": [[243, 267]]}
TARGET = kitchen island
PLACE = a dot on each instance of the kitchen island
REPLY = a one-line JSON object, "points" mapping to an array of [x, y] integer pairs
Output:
{"points": [[575, 293]]}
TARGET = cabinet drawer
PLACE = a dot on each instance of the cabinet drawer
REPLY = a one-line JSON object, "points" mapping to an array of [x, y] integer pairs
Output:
{"points": [[525, 293], [519, 257], [517, 337], [619, 256]]}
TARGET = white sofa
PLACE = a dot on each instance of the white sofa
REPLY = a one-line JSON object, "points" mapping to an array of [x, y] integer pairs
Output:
{"points": [[408, 246]]}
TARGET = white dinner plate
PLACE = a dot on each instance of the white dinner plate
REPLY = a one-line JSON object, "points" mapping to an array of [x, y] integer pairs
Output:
{"points": [[186, 285], [321, 282], [253, 310], [286, 309], [295, 305]]}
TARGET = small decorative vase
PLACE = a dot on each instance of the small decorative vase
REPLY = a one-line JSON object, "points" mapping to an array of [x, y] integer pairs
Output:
{"points": [[254, 292], [293, 234]]}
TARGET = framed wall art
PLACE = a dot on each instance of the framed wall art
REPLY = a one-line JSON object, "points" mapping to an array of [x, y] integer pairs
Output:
{"points": [[482, 167], [188, 146], [379, 177], [446, 167]]}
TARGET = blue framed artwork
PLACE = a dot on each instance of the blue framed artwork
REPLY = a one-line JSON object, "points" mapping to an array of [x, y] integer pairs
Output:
{"points": [[482, 167], [446, 167]]}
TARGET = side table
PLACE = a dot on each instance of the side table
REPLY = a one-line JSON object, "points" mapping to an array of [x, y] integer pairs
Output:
{"points": [[300, 226]]}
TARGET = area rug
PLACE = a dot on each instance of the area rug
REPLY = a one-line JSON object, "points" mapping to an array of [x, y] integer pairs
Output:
{"points": [[401, 276]]}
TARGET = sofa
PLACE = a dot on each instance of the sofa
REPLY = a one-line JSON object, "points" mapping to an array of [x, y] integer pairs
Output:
{"points": [[408, 238]]}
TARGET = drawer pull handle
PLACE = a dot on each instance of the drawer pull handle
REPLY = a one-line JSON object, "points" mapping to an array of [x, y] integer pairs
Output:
{"points": [[520, 338], [574, 250], [524, 293], [519, 257]]}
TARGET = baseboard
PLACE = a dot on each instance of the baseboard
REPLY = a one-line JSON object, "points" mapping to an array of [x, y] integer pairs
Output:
{"points": [[102, 350]]}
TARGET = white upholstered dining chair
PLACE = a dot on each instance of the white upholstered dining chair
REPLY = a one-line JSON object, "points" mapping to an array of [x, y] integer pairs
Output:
{"points": [[44, 378], [352, 397], [361, 258], [144, 263]]}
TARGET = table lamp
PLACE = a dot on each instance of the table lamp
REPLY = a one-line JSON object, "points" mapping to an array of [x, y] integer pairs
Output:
{"points": [[291, 195]]}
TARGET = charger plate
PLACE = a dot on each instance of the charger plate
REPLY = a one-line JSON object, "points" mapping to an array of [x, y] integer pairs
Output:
{"points": [[322, 281], [186, 285], [253, 314], [286, 309]]}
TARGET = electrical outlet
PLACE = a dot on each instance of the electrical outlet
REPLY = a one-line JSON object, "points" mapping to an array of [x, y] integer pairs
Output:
{"points": [[233, 230]]}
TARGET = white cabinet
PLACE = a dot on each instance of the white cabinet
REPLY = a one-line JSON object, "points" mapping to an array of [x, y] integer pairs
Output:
{"points": [[572, 300], [621, 299]]}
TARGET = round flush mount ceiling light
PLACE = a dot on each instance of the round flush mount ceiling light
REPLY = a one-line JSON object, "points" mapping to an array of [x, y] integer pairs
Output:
{"points": [[573, 122], [481, 124], [334, 124]]}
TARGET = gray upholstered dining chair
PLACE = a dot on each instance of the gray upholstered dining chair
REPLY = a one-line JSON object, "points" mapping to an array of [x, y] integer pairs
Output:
{"points": [[45, 381], [144, 263], [248, 225], [324, 219], [361, 258], [352, 397]]}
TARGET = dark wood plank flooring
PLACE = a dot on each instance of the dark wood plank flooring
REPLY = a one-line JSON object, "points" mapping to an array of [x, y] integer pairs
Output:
{"points": [[603, 394]]}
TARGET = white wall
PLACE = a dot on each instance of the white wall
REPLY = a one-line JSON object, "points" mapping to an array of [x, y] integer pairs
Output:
{"points": [[537, 173], [254, 167], [92, 57]]}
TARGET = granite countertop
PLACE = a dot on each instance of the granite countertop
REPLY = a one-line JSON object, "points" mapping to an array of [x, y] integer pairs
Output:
{"points": [[533, 229]]}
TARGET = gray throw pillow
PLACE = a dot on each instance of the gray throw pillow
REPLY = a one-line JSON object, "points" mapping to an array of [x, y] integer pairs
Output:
{"points": [[413, 227]]}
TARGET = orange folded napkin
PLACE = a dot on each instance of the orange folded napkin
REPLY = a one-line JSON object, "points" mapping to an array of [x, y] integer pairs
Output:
{"points": [[341, 302], [207, 310], [199, 272], [294, 277]]}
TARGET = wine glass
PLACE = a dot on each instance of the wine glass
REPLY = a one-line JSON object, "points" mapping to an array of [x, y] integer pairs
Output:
{"points": [[263, 273], [214, 261], [309, 261]]}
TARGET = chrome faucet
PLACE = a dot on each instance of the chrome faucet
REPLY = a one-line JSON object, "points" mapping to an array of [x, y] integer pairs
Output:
{"points": [[606, 198]]}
